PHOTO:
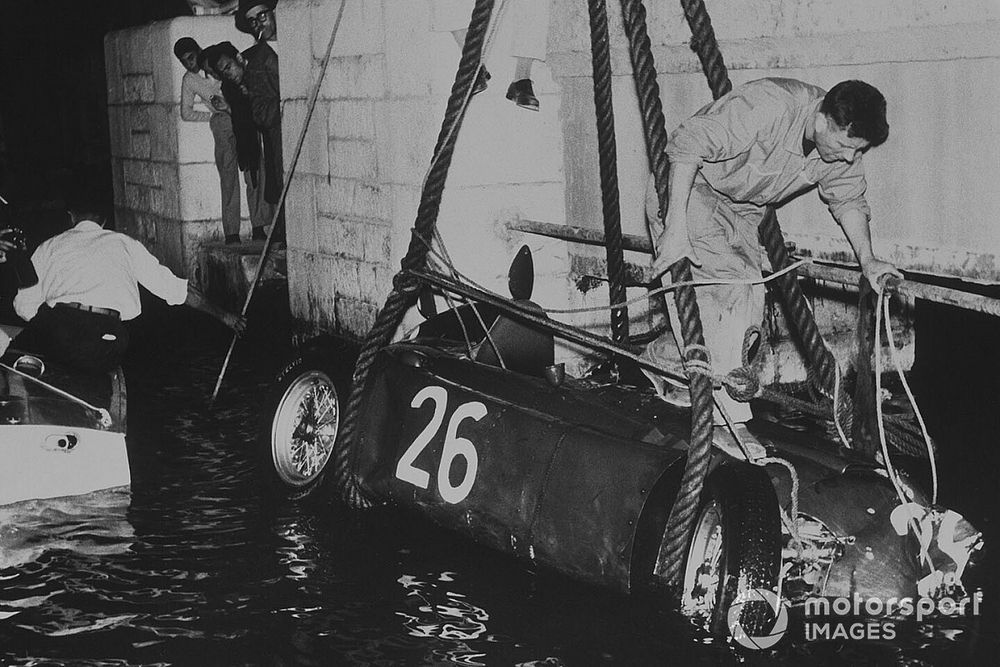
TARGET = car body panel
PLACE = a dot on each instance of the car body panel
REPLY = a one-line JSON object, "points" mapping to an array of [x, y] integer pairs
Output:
{"points": [[555, 483]]}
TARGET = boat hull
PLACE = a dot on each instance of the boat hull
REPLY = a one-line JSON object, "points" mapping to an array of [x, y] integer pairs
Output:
{"points": [[49, 461]]}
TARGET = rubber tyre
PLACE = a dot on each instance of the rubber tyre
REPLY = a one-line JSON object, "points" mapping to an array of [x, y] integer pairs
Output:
{"points": [[301, 422], [737, 544]]}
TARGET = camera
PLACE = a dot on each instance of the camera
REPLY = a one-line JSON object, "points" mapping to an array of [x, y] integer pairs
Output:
{"points": [[14, 236]]}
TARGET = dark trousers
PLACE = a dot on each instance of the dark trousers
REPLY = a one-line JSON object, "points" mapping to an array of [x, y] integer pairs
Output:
{"points": [[77, 338]]}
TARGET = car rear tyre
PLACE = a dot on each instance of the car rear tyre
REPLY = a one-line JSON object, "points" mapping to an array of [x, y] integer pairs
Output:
{"points": [[735, 549], [301, 421]]}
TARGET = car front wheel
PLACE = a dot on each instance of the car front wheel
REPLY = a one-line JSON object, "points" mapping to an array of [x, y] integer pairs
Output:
{"points": [[734, 553], [301, 422]]}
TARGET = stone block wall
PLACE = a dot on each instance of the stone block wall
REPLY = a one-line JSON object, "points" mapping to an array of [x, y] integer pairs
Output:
{"points": [[368, 145], [165, 182]]}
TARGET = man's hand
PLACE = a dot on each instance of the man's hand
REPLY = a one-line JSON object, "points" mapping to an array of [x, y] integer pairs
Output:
{"points": [[237, 323], [673, 245], [5, 245], [877, 271], [219, 103]]}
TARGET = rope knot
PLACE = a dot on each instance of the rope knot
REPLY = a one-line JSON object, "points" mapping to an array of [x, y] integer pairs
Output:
{"points": [[742, 384], [697, 365], [405, 283]]}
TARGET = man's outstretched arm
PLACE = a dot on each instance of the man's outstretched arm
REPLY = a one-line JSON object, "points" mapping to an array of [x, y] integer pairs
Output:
{"points": [[197, 300], [858, 232]]}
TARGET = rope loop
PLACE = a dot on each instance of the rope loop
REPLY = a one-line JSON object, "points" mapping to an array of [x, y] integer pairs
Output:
{"points": [[752, 351], [790, 518]]}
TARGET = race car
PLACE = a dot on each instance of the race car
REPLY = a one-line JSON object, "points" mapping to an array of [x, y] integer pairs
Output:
{"points": [[468, 422]]}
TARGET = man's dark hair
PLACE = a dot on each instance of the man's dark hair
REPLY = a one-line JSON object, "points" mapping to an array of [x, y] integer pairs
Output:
{"points": [[212, 53], [185, 45], [85, 201], [860, 108]]}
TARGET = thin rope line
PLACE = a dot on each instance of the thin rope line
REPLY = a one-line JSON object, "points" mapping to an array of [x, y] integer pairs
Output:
{"points": [[688, 283], [104, 414], [913, 403], [911, 520]]}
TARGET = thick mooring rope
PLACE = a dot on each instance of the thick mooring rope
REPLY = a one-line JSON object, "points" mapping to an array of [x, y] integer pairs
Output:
{"points": [[819, 359], [703, 43], [607, 152], [404, 294], [670, 560]]}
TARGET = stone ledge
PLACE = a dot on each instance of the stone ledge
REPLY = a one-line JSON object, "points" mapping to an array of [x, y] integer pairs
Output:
{"points": [[225, 272]]}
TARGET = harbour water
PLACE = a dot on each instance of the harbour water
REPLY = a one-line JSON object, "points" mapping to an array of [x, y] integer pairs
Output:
{"points": [[194, 567]]}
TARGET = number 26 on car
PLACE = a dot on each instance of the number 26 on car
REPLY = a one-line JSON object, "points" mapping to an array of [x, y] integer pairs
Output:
{"points": [[453, 480]]}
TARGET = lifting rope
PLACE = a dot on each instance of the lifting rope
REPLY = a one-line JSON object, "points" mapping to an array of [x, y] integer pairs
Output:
{"points": [[607, 152], [670, 560], [404, 294]]}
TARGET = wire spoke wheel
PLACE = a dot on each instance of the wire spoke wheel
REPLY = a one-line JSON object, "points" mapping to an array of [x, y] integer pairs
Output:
{"points": [[735, 548], [704, 569], [304, 428]]}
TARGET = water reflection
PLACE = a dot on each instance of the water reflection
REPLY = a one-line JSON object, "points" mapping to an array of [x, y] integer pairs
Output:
{"points": [[94, 524]]}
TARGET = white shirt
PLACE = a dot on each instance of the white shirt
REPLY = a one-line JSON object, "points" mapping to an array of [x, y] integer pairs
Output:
{"points": [[196, 97], [97, 267]]}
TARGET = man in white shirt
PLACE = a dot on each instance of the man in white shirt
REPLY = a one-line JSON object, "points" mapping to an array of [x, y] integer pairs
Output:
{"points": [[195, 87], [88, 286]]}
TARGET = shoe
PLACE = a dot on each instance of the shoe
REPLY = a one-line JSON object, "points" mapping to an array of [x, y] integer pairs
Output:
{"points": [[232, 239], [258, 234], [748, 447], [523, 95], [482, 80]]}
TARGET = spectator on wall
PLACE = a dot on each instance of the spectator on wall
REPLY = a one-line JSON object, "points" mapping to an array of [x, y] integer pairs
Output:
{"points": [[223, 60], [195, 87], [261, 83]]}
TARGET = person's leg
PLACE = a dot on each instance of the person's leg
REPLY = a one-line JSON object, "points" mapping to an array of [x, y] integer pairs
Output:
{"points": [[530, 43], [724, 238], [261, 211], [725, 242], [453, 16], [226, 163], [83, 340]]}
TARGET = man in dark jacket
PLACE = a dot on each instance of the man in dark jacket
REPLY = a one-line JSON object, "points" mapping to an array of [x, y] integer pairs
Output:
{"points": [[224, 56], [260, 80]]}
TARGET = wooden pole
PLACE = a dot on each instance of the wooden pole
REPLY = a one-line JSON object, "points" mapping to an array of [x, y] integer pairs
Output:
{"points": [[284, 193]]}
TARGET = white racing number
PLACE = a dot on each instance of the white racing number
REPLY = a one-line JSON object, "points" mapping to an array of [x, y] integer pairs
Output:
{"points": [[454, 446]]}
